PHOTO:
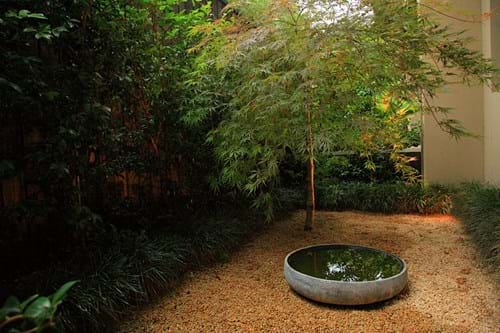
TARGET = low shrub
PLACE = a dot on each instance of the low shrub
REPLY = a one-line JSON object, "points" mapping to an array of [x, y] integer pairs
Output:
{"points": [[215, 239], [349, 167], [142, 267], [135, 268], [131, 267], [478, 207], [376, 197]]}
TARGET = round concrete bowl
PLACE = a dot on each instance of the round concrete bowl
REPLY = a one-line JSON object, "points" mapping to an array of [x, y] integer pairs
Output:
{"points": [[345, 292]]}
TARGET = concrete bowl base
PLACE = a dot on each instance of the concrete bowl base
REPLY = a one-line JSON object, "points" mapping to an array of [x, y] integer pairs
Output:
{"points": [[344, 292]]}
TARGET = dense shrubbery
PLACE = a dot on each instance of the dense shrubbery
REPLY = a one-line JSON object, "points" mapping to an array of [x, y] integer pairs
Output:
{"points": [[349, 167], [376, 197], [90, 133], [478, 207], [92, 95], [131, 267], [385, 197]]}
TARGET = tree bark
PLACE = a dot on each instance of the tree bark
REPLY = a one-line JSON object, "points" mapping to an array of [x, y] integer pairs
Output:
{"points": [[311, 195]]}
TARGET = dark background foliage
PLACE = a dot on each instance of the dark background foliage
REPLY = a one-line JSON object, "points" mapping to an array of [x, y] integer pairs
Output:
{"points": [[91, 95]]}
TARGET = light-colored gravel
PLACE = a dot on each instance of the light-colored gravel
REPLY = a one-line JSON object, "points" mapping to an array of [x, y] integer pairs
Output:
{"points": [[448, 290]]}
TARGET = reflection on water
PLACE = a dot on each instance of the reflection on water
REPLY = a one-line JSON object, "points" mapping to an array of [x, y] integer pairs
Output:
{"points": [[344, 263]]}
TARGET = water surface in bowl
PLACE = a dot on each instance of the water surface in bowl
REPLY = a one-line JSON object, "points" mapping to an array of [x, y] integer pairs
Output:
{"points": [[345, 263]]}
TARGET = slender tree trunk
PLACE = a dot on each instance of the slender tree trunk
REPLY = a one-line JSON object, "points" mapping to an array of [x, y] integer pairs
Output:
{"points": [[311, 196]]}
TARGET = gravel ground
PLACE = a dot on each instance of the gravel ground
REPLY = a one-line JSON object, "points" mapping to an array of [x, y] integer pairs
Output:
{"points": [[448, 291]]}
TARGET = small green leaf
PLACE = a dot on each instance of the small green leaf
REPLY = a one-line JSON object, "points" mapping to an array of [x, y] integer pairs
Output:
{"points": [[42, 35], [30, 299], [11, 14], [37, 16], [57, 31], [11, 84], [61, 293], [29, 29], [39, 310], [23, 13]]}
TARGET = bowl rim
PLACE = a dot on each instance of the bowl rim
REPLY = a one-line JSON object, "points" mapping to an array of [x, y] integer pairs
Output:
{"points": [[394, 277]]}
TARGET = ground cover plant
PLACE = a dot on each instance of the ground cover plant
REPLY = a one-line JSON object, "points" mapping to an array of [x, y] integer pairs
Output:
{"points": [[130, 267], [478, 207]]}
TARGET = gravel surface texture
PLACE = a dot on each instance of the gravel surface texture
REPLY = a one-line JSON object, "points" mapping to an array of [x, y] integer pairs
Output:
{"points": [[449, 290]]}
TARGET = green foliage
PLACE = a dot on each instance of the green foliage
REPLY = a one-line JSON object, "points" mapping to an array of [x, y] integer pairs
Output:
{"points": [[92, 89], [284, 70], [35, 314], [478, 207], [389, 198], [91, 93], [217, 237], [352, 168], [132, 267], [342, 168]]}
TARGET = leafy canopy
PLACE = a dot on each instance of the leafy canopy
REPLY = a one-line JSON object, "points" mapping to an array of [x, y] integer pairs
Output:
{"points": [[274, 63]]}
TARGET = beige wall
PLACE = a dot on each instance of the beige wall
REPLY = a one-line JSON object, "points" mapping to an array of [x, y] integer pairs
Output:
{"points": [[446, 160], [491, 49]]}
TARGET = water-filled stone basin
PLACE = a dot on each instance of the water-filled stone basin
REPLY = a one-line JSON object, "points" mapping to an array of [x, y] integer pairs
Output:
{"points": [[345, 274]]}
